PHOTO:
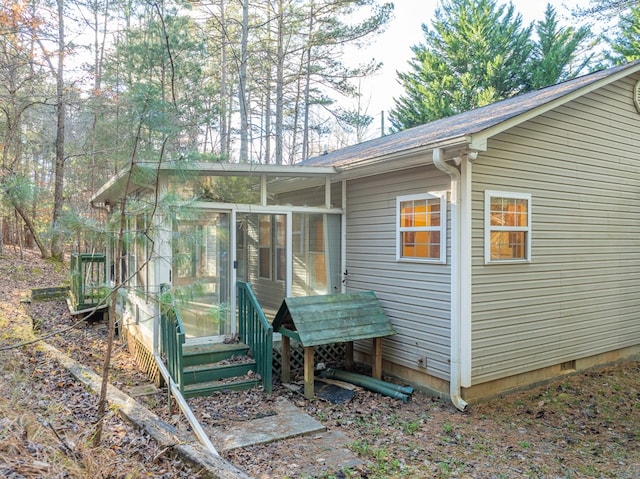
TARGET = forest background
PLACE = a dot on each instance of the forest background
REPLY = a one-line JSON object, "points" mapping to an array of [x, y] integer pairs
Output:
{"points": [[89, 87]]}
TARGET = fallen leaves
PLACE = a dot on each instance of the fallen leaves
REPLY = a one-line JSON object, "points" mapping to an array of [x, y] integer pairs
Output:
{"points": [[46, 417], [585, 425]]}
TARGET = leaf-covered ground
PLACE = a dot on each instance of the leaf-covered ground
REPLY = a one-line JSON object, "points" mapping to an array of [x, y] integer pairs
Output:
{"points": [[585, 425], [47, 418]]}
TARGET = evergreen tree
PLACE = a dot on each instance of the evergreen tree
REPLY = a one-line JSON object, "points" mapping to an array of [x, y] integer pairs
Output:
{"points": [[473, 56], [625, 46], [605, 9], [556, 54], [479, 52]]}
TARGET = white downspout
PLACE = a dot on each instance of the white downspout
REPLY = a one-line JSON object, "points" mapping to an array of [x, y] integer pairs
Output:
{"points": [[456, 281]]}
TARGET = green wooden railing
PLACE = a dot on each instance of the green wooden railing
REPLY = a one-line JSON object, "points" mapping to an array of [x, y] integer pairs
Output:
{"points": [[88, 280], [255, 331], [172, 338]]}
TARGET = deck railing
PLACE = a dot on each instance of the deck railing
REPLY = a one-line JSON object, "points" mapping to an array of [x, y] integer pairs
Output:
{"points": [[88, 280], [255, 331], [172, 338]]}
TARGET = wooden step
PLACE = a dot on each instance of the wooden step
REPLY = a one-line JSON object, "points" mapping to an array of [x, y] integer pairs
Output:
{"points": [[194, 354], [202, 373], [205, 389]]}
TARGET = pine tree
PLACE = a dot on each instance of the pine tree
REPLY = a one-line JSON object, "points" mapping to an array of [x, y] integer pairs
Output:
{"points": [[625, 46], [479, 52], [556, 54], [473, 56]]}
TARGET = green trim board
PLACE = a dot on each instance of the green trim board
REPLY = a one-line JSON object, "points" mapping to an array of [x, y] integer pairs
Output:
{"points": [[332, 318]]}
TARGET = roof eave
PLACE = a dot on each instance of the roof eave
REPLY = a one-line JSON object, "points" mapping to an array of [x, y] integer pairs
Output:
{"points": [[484, 135], [114, 189], [230, 169], [409, 158]]}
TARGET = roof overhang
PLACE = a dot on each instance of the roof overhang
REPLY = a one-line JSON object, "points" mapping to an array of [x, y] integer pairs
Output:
{"points": [[484, 135], [144, 176], [410, 158]]}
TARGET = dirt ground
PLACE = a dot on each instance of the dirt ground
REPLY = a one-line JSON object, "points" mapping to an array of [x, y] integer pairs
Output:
{"points": [[585, 425]]}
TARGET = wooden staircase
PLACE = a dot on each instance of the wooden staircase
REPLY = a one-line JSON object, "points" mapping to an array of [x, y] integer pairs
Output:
{"points": [[213, 367], [201, 368]]}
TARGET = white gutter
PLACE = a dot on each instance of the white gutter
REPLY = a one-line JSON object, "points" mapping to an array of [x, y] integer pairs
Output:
{"points": [[456, 281]]}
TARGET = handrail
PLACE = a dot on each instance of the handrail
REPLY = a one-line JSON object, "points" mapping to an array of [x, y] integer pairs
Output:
{"points": [[170, 365], [255, 331], [172, 337]]}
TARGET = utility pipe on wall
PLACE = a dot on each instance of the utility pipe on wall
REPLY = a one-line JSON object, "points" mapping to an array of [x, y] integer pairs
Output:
{"points": [[456, 281]]}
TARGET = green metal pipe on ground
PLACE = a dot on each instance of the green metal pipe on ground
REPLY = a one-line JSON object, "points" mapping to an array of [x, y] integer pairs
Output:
{"points": [[408, 390], [392, 390]]}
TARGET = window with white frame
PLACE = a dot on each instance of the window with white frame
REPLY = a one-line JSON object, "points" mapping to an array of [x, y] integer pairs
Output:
{"points": [[271, 245], [421, 228], [507, 227], [264, 246]]}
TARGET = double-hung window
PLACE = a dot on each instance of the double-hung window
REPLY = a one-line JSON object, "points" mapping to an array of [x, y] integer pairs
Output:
{"points": [[421, 228], [507, 227]]}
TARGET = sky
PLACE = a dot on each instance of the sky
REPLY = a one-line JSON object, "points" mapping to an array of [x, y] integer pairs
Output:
{"points": [[393, 47]]}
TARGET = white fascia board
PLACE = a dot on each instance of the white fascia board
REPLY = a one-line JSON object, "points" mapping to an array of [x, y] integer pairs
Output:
{"points": [[250, 169], [483, 136], [404, 159], [114, 188], [107, 191]]}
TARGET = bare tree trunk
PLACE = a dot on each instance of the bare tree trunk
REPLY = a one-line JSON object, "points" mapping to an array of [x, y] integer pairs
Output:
{"points": [[19, 235], [267, 125], [102, 401], [31, 228], [57, 248], [242, 90], [279, 83], [224, 146], [307, 89], [98, 60]]}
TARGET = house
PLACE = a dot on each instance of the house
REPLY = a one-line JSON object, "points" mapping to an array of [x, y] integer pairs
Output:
{"points": [[503, 242]]}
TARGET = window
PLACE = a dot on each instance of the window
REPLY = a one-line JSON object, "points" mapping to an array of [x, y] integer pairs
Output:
{"points": [[141, 252], [507, 227], [281, 252], [264, 240], [272, 247], [421, 228]]}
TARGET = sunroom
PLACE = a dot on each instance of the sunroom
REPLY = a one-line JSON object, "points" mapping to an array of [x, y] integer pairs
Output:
{"points": [[199, 230]]}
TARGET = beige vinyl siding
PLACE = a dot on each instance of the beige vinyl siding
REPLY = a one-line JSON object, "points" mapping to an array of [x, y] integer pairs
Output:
{"points": [[269, 292], [310, 196], [579, 295], [416, 296]]}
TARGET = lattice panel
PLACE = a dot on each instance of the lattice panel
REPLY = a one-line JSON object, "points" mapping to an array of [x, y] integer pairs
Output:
{"points": [[332, 355], [143, 357]]}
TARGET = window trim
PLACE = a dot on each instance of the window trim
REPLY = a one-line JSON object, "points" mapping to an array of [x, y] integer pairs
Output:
{"points": [[488, 229], [442, 228]]}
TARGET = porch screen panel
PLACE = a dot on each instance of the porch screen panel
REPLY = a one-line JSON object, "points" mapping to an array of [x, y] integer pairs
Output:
{"points": [[316, 254], [265, 252], [201, 273]]}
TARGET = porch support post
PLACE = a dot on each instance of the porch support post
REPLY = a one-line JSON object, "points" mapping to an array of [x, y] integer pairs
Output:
{"points": [[308, 372], [376, 366], [285, 373], [348, 353]]}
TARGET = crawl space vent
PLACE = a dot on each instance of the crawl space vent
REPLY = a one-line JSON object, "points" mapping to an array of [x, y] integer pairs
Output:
{"points": [[636, 95]]}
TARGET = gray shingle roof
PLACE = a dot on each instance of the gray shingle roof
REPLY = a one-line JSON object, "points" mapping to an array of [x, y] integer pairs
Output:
{"points": [[467, 123]]}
